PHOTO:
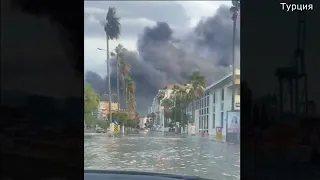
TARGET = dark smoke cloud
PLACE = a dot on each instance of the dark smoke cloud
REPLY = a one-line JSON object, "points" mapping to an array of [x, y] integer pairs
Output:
{"points": [[162, 59], [215, 34]]}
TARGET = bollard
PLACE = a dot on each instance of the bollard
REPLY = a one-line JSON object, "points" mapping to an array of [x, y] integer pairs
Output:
{"points": [[122, 128], [219, 135]]}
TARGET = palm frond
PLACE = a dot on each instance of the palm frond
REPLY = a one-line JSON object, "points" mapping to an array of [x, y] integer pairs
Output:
{"points": [[112, 25]]}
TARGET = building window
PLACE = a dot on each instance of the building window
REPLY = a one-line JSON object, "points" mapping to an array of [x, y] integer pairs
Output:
{"points": [[222, 118], [202, 100], [208, 100], [222, 99], [205, 102], [213, 121], [222, 104], [214, 98], [207, 122], [222, 94]]}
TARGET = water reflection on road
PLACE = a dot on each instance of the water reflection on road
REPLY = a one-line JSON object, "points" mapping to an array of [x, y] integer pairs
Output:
{"points": [[195, 156]]}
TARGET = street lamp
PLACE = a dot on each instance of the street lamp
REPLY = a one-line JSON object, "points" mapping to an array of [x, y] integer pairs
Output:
{"points": [[234, 9], [105, 94], [109, 82]]}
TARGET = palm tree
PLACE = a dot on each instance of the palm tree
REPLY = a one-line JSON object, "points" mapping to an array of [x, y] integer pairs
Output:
{"points": [[131, 94], [180, 95], [196, 86], [112, 29], [167, 103], [123, 69], [119, 58]]}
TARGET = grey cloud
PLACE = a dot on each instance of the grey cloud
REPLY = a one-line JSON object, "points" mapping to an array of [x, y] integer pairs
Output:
{"points": [[215, 33], [171, 12], [133, 21], [129, 27]]}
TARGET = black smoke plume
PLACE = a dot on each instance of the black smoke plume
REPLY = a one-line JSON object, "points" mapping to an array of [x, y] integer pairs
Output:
{"points": [[162, 59]]}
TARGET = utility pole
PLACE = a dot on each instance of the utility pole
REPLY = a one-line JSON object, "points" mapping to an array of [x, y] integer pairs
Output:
{"points": [[234, 10]]}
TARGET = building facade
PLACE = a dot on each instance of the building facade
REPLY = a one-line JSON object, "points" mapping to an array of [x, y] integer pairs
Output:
{"points": [[142, 122], [104, 108], [156, 107], [211, 109]]}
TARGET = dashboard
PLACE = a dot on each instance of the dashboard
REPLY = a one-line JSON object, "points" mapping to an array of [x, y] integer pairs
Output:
{"points": [[132, 175]]}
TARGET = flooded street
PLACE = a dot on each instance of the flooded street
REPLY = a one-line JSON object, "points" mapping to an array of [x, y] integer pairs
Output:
{"points": [[193, 156]]}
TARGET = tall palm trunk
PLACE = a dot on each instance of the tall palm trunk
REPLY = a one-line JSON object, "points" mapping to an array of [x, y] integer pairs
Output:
{"points": [[193, 110], [109, 79], [124, 95], [118, 86]]}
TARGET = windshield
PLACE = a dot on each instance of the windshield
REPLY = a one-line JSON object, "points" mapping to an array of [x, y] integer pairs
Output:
{"points": [[161, 87]]}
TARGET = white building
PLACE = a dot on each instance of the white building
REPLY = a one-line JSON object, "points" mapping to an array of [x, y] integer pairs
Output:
{"points": [[211, 109], [156, 107], [142, 122]]}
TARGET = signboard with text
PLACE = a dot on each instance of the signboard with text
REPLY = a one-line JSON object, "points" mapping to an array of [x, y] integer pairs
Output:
{"points": [[233, 121]]}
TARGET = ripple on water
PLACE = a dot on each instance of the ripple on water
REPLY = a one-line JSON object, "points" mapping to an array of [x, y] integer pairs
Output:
{"points": [[218, 157], [225, 174]]}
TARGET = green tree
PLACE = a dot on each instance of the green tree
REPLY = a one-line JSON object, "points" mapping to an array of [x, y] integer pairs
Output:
{"points": [[122, 117], [91, 104], [181, 98], [91, 99], [196, 86], [125, 70]]}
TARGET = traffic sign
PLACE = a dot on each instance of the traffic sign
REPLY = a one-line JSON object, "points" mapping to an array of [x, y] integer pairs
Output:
{"points": [[115, 122], [116, 128]]}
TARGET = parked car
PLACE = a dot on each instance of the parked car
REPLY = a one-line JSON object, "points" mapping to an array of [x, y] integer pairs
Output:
{"points": [[100, 130]]}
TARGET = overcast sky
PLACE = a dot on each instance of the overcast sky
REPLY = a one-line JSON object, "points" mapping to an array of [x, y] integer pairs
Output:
{"points": [[135, 16]]}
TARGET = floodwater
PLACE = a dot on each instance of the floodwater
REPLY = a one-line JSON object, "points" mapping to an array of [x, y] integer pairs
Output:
{"points": [[183, 155]]}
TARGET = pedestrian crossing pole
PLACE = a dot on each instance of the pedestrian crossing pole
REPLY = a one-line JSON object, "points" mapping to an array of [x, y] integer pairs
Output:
{"points": [[112, 127]]}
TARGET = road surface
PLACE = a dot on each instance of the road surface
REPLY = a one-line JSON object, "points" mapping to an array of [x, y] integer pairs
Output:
{"points": [[195, 156]]}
